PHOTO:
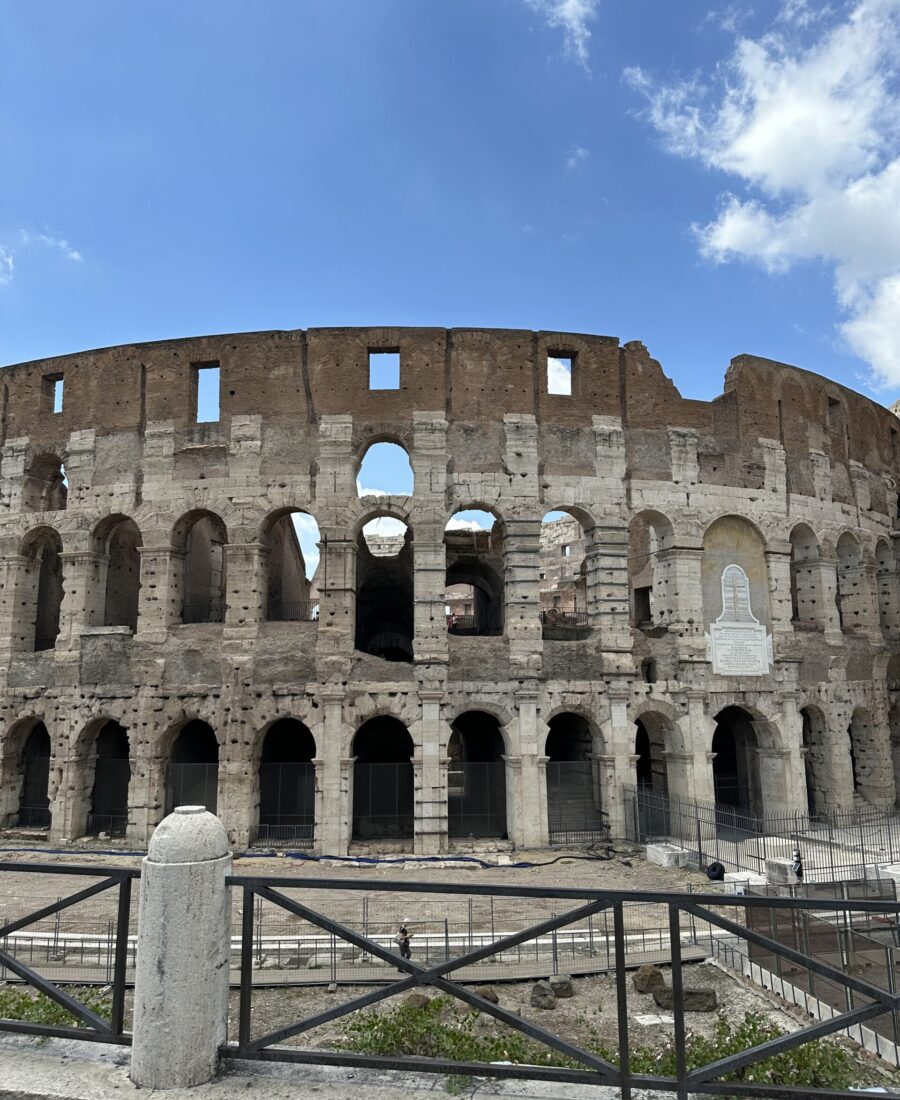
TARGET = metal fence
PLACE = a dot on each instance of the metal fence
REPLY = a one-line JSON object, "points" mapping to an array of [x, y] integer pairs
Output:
{"points": [[472, 626], [382, 801], [192, 785], [294, 611], [446, 967], [572, 811], [287, 804], [849, 844]]}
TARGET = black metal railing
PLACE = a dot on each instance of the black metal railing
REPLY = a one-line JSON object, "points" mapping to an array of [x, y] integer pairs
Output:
{"points": [[563, 625], [471, 626], [32, 817], [192, 785], [476, 803], [686, 915], [112, 824], [573, 813], [202, 613], [383, 801], [294, 611], [298, 833], [92, 1027]]}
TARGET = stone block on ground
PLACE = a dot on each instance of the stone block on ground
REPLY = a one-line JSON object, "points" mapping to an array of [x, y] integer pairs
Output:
{"points": [[648, 978], [695, 1000], [418, 1000], [666, 855], [488, 993], [780, 872], [542, 995], [561, 984]]}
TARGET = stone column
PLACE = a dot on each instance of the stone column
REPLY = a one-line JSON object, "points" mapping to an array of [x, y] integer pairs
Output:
{"points": [[237, 809], [245, 587], [778, 568], [609, 559], [431, 785], [184, 926], [522, 610], [337, 597], [697, 732], [160, 600], [514, 808], [333, 812], [84, 583], [429, 583], [825, 583], [682, 567], [18, 589], [530, 828]]}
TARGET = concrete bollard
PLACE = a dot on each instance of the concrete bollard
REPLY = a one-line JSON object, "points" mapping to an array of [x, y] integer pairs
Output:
{"points": [[181, 981]]}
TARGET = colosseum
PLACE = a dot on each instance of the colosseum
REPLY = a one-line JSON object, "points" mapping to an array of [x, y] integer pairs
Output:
{"points": [[696, 597]]}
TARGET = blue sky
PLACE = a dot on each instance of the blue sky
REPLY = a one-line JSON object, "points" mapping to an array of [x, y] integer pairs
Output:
{"points": [[173, 169]]}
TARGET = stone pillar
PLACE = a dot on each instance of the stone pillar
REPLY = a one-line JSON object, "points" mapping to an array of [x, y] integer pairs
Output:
{"points": [[778, 568], [336, 577], [237, 809], [160, 600], [184, 926], [825, 583], [697, 732], [429, 583], [431, 776], [794, 793], [521, 582], [514, 795], [146, 791], [18, 589], [84, 583], [245, 586], [611, 562], [333, 778], [684, 588], [532, 831]]}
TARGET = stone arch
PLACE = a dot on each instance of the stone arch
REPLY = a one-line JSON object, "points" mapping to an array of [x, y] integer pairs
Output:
{"points": [[821, 795], [385, 459], [569, 601], [27, 754], [853, 603], [574, 795], [650, 537], [383, 786], [384, 622], [192, 777], [45, 488], [287, 783], [106, 766], [43, 589], [289, 591], [870, 755], [737, 782], [117, 541], [474, 593], [476, 781], [807, 592], [734, 540], [201, 537]]}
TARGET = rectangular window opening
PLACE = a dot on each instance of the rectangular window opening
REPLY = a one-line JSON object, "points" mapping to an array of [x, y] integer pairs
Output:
{"points": [[559, 373], [642, 607], [565, 550], [834, 413], [384, 370], [206, 392], [53, 392], [57, 395]]}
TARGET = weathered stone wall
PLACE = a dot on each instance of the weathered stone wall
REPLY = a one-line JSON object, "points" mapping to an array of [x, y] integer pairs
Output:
{"points": [[781, 447]]}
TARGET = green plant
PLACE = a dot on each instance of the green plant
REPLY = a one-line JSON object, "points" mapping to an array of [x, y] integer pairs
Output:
{"points": [[37, 1008]]}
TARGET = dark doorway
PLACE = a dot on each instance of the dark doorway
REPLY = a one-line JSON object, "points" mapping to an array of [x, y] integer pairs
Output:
{"points": [[574, 813], [382, 780], [193, 776], [736, 766], [384, 595], [287, 785], [476, 785], [34, 799], [112, 774]]}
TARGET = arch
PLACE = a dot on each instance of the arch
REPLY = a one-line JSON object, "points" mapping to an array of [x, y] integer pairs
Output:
{"points": [[474, 577], [476, 781], [201, 537], [45, 488], [870, 756], [734, 540], [44, 586], [192, 777], [736, 777], [117, 538], [290, 595], [814, 738], [650, 747], [287, 784], [650, 533], [574, 800], [851, 588], [886, 587], [563, 574], [384, 593], [384, 469], [33, 811], [383, 791], [108, 806], [807, 597]]}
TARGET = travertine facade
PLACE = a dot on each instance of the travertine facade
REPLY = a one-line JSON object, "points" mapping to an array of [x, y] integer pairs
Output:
{"points": [[154, 585]]}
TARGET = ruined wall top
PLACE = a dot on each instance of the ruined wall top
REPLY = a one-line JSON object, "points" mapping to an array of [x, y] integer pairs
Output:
{"points": [[467, 375]]}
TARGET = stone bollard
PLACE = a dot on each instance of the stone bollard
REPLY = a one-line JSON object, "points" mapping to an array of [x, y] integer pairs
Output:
{"points": [[183, 947]]}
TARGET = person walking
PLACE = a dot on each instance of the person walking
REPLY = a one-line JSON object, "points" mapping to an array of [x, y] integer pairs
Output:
{"points": [[402, 941]]}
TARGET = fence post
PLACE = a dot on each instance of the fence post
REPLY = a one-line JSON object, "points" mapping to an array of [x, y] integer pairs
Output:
{"points": [[181, 981]]}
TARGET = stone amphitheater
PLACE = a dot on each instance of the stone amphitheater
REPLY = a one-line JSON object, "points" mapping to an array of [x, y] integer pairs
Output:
{"points": [[710, 610]]}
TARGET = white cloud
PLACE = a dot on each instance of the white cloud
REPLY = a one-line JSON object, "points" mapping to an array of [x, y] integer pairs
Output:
{"points": [[454, 524], [807, 118], [51, 241], [384, 526], [578, 155], [559, 375], [362, 491], [572, 17], [6, 266]]}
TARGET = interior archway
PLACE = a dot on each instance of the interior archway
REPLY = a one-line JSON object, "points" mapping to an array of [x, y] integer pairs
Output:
{"points": [[34, 767], [574, 802], [287, 784], [108, 811], [736, 763], [202, 537], [121, 542], [291, 591], [384, 590], [383, 795], [193, 773], [476, 788], [474, 589]]}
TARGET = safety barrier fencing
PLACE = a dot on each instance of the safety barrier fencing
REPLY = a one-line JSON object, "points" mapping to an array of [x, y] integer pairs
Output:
{"points": [[851, 843]]}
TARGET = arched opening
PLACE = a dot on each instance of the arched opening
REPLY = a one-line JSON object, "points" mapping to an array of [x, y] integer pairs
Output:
{"points": [[652, 775], [476, 783], [815, 760], [46, 487], [291, 540], [119, 541], [384, 590], [649, 535], [193, 773], [287, 784], [807, 604], [201, 536], [473, 593], [108, 811], [34, 767], [736, 763], [385, 470], [851, 604], [886, 587], [563, 577], [574, 807], [382, 780], [43, 548], [869, 749]]}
